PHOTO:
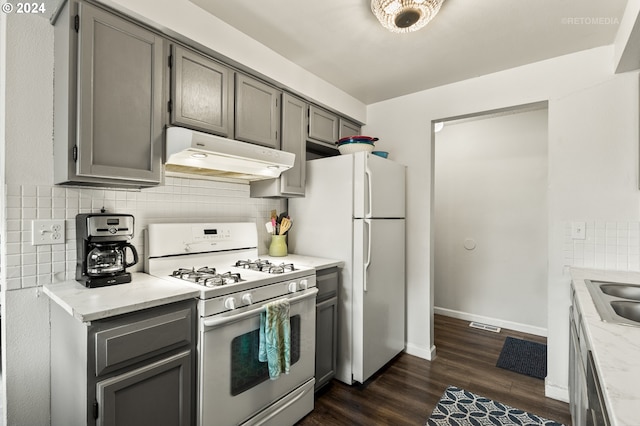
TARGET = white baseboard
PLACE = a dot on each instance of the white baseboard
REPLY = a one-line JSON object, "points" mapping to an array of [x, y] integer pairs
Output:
{"points": [[421, 352], [524, 328], [556, 392]]}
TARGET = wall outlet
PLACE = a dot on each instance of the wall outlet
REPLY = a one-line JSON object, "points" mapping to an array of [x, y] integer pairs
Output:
{"points": [[578, 230], [47, 232]]}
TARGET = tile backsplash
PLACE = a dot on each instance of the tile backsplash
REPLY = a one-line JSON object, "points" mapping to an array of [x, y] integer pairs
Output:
{"points": [[607, 245], [178, 200]]}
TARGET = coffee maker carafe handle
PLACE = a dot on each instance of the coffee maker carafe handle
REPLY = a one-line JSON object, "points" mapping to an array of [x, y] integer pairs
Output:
{"points": [[133, 251]]}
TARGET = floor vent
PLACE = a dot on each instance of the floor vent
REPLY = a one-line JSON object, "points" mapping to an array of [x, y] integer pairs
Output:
{"points": [[486, 327]]}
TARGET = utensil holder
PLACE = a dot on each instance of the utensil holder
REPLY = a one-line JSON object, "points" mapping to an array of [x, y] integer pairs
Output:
{"points": [[278, 246]]}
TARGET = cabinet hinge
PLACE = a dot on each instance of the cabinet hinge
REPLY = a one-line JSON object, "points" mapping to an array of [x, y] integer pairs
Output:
{"points": [[170, 105], [95, 409], [76, 23], [170, 61], [75, 153]]}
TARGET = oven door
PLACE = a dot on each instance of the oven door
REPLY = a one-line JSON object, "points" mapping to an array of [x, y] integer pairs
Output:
{"points": [[234, 386]]}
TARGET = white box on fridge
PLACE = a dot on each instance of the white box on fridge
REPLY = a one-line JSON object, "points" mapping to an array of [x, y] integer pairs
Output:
{"points": [[354, 210]]}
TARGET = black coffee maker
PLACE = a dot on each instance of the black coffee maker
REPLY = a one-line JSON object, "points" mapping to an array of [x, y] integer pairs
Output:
{"points": [[102, 240]]}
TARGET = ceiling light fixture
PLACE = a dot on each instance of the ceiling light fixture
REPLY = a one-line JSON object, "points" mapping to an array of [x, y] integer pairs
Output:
{"points": [[404, 16]]}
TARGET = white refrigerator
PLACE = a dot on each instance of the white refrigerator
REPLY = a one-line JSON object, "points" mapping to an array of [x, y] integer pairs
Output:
{"points": [[354, 210]]}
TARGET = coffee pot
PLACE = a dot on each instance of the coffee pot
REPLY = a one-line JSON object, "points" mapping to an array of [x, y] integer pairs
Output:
{"points": [[102, 244], [109, 259]]}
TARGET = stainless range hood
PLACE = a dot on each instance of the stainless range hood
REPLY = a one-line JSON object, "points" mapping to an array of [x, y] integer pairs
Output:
{"points": [[193, 153]]}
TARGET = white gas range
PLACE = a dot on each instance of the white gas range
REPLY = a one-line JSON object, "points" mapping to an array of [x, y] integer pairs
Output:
{"points": [[221, 261]]}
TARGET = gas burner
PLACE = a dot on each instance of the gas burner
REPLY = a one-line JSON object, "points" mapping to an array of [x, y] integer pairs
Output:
{"points": [[221, 279], [281, 269], [254, 265], [265, 266], [184, 273], [206, 276]]}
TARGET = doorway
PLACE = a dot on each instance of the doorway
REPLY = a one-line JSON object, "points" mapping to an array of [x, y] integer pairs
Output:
{"points": [[490, 218]]}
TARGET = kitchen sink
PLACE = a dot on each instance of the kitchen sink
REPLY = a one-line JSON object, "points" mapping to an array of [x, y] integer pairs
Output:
{"points": [[617, 303], [627, 309], [625, 291]]}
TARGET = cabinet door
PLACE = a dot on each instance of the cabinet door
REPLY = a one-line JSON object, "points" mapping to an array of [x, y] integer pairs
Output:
{"points": [[158, 394], [200, 90], [294, 120], [348, 128], [327, 282], [257, 112], [323, 125], [326, 341], [119, 99]]}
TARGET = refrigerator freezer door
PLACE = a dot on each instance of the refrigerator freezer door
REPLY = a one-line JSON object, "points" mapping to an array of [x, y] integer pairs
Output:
{"points": [[379, 187], [378, 294]]}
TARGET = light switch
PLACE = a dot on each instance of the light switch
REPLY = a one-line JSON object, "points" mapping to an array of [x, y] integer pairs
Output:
{"points": [[578, 230], [47, 232]]}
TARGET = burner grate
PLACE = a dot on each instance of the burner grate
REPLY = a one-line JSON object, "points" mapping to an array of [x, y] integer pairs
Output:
{"points": [[263, 265], [207, 276]]}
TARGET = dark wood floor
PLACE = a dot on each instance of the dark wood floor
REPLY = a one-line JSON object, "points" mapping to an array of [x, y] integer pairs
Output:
{"points": [[408, 388]]}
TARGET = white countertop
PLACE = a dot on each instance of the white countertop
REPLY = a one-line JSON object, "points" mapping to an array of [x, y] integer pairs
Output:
{"points": [[616, 349], [90, 304], [318, 263], [144, 291]]}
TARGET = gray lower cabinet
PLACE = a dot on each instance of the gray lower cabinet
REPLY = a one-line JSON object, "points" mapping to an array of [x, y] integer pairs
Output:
{"points": [[154, 395], [586, 400], [327, 282], [578, 403], [257, 109], [132, 369], [108, 125], [294, 127], [201, 92]]}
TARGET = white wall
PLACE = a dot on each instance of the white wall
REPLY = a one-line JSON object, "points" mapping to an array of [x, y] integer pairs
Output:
{"points": [[593, 169], [491, 188]]}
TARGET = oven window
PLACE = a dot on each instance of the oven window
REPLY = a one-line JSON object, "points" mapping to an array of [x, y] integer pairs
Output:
{"points": [[246, 370]]}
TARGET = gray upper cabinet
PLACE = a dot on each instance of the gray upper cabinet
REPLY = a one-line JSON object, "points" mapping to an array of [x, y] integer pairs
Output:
{"points": [[257, 108], [114, 100], [294, 120], [201, 93], [294, 130], [323, 125], [347, 128]]}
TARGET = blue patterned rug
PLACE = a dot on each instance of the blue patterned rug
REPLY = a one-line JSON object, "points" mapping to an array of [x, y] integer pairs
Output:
{"points": [[524, 357], [459, 407]]}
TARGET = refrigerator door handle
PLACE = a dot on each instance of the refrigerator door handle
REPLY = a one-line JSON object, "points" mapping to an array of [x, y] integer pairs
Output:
{"points": [[368, 174], [367, 262]]}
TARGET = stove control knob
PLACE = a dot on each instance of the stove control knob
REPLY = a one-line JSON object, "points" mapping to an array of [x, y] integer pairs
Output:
{"points": [[304, 284], [293, 287], [246, 298], [230, 303]]}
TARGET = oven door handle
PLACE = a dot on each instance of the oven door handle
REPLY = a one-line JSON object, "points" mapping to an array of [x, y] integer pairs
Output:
{"points": [[219, 320]]}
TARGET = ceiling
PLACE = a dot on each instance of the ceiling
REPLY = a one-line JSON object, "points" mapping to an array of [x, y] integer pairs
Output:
{"points": [[341, 41]]}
